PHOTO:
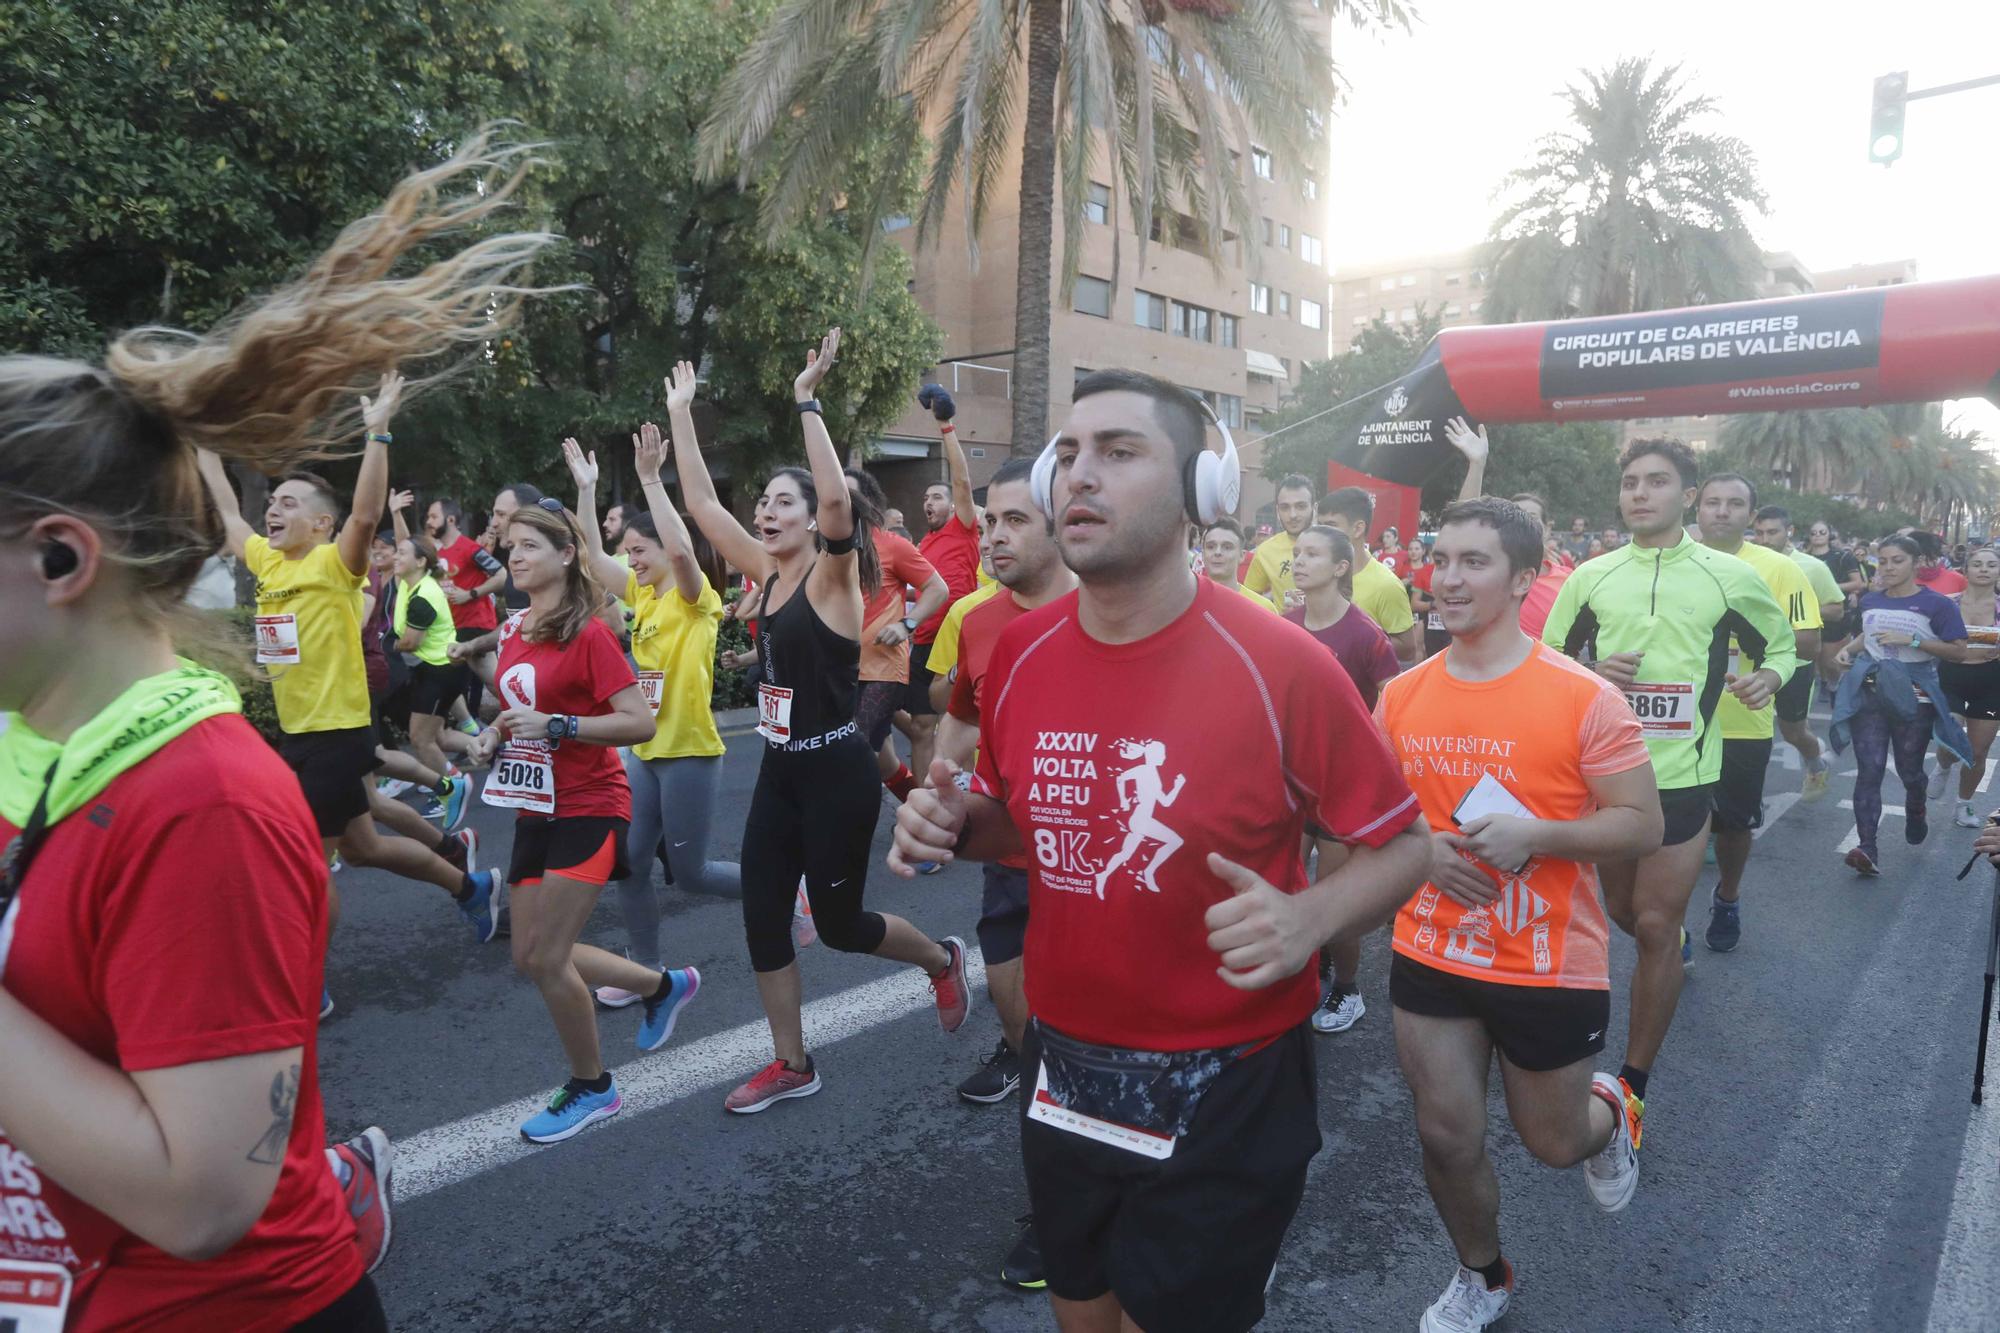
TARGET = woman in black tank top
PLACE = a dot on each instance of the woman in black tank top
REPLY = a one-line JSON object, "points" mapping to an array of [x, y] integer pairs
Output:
{"points": [[813, 814]]}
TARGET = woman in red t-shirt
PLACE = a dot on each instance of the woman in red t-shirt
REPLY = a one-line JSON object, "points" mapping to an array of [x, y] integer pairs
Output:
{"points": [[568, 700]]}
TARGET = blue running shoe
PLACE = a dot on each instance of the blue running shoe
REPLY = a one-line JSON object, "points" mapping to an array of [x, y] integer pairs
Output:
{"points": [[455, 798], [478, 909], [658, 1024], [325, 1004], [1687, 949], [569, 1111]]}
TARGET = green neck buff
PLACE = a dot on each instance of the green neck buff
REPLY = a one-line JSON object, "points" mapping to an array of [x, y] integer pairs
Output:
{"points": [[134, 725]]}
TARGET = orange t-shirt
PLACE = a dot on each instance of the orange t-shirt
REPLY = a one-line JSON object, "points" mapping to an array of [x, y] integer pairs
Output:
{"points": [[902, 568], [1540, 730]]}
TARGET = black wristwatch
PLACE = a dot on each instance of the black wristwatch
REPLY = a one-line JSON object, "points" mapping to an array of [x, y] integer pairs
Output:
{"points": [[909, 625], [811, 405], [562, 727]]}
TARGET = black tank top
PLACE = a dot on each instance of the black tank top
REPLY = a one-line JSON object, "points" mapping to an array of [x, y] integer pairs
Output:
{"points": [[798, 651]]}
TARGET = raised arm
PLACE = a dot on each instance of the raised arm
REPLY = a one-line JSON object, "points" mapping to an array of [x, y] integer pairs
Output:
{"points": [[730, 538], [649, 451], [944, 409], [836, 511], [1474, 446], [371, 487], [398, 502], [223, 493], [583, 468]]}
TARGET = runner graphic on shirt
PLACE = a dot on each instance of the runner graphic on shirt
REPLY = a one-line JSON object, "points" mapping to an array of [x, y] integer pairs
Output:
{"points": [[1140, 791]]}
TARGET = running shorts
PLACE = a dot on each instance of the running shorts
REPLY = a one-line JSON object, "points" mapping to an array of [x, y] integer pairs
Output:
{"points": [[1538, 1028], [1686, 810], [917, 703], [1003, 912], [1974, 691], [1187, 1243], [590, 848], [1795, 699], [333, 769], [1738, 799], [434, 689], [875, 705]]}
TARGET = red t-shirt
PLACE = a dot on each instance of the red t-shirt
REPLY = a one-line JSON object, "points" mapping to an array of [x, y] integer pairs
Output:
{"points": [[902, 567], [173, 923], [1940, 579], [463, 569], [578, 678], [1124, 765], [1541, 598], [1361, 648], [953, 551], [1397, 562], [978, 636]]}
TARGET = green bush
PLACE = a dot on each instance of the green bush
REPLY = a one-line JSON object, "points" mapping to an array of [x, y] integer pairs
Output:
{"points": [[732, 688], [260, 709]]}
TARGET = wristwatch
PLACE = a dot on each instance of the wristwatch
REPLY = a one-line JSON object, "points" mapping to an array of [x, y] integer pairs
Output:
{"points": [[562, 727], [810, 405], [909, 625]]}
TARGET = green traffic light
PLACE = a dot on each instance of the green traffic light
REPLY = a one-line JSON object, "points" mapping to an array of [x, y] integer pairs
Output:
{"points": [[1885, 137]]}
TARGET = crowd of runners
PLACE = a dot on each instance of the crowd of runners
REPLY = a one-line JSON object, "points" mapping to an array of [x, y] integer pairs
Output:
{"points": [[1495, 744]]}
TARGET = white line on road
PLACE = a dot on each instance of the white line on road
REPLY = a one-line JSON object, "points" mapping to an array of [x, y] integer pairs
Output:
{"points": [[446, 1155], [1968, 1286], [1774, 810]]}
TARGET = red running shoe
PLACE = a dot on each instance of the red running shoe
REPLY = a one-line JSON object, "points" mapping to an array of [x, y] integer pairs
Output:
{"points": [[773, 1083], [948, 986], [366, 1190]]}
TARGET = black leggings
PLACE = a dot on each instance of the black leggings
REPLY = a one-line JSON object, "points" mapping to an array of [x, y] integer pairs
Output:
{"points": [[875, 705], [1876, 733], [359, 1311], [813, 814]]}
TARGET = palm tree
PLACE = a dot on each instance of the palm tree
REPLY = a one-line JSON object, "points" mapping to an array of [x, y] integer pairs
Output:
{"points": [[1634, 207], [1827, 450], [1176, 86]]}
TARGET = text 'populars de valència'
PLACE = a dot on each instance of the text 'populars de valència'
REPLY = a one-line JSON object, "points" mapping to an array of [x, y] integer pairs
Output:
{"points": [[1717, 340]]}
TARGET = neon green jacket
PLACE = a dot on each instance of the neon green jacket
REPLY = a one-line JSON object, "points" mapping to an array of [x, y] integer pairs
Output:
{"points": [[1677, 606]]}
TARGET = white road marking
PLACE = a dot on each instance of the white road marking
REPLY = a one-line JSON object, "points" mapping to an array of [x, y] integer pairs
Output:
{"points": [[1968, 1285], [1774, 810], [446, 1155]]}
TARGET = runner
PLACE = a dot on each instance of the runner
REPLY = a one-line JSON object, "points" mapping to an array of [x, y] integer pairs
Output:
{"points": [[420, 620], [1886, 701], [1933, 570], [1175, 1108], [1723, 507], [889, 620], [1270, 572], [1671, 669], [951, 545], [1973, 686], [1222, 556], [1852, 581], [676, 616], [1774, 532], [166, 1155], [814, 811], [1555, 568], [1474, 447], [471, 578], [1323, 569], [943, 660], [1506, 948], [569, 700], [1380, 594]]}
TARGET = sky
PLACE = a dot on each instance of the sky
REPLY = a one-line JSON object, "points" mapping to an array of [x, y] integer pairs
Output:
{"points": [[1438, 116]]}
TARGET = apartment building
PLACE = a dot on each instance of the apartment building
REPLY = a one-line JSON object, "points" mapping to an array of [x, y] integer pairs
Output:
{"points": [[1451, 284]]}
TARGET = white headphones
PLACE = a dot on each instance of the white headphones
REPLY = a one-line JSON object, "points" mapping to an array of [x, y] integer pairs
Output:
{"points": [[1211, 483]]}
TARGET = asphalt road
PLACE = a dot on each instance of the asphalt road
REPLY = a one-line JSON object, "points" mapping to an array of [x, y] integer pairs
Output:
{"points": [[1811, 1158]]}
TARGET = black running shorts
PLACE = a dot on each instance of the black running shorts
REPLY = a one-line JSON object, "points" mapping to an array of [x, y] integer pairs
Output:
{"points": [[333, 769], [1186, 1244], [1003, 913], [1686, 810], [1738, 800], [590, 848], [1795, 699], [434, 689], [1974, 691], [1538, 1028], [917, 703]]}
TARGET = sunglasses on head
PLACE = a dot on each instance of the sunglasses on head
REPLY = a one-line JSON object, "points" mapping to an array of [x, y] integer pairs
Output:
{"points": [[554, 506]]}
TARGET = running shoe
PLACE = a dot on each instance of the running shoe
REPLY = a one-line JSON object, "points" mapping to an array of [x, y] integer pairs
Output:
{"points": [[325, 1004], [1687, 950], [363, 1167], [928, 867], [456, 796], [1339, 1011], [662, 1013], [1862, 863], [1725, 925], [998, 1074], [1635, 1110], [775, 1082], [1467, 1306], [1815, 786], [1967, 817], [948, 986], [804, 933], [469, 840], [1022, 1268], [1613, 1172], [392, 787], [434, 808], [569, 1111], [1916, 824], [610, 997], [478, 908], [1939, 777], [469, 727], [335, 865]]}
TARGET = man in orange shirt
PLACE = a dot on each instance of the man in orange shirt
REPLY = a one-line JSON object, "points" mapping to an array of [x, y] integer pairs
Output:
{"points": [[1532, 768]]}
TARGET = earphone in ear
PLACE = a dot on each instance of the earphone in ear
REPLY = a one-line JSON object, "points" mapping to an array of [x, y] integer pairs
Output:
{"points": [[58, 560]]}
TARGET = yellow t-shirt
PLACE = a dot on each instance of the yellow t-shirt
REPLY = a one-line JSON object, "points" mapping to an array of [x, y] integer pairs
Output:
{"points": [[309, 637], [1270, 571], [1382, 596], [1258, 598], [1793, 591], [944, 649], [673, 641]]}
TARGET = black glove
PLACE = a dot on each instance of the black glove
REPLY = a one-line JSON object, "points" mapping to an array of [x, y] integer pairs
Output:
{"points": [[938, 401]]}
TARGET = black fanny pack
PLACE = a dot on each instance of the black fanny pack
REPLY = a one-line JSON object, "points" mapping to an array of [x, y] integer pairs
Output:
{"points": [[1157, 1091]]}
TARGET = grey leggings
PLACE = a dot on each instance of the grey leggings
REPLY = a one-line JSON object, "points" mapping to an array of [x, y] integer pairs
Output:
{"points": [[674, 799]]}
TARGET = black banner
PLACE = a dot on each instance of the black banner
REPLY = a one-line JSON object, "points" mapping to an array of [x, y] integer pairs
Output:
{"points": [[1397, 431]]}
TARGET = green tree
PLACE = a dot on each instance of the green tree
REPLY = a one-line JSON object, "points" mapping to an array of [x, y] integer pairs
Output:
{"points": [[1571, 464], [1827, 450], [1379, 353], [1635, 206], [1175, 83]]}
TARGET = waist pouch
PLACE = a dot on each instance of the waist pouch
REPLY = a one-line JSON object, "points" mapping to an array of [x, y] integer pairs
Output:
{"points": [[1158, 1091]]}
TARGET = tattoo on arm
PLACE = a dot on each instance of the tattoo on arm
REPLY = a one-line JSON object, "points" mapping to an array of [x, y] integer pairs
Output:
{"points": [[270, 1149]]}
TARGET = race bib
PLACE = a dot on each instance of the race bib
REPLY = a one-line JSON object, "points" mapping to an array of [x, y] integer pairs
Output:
{"points": [[1434, 621], [1049, 1111], [34, 1298], [277, 641], [1666, 712], [774, 713], [523, 778], [651, 685]]}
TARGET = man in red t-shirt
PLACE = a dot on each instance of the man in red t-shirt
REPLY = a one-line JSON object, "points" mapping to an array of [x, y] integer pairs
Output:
{"points": [[471, 575], [905, 596], [952, 546], [1158, 746]]}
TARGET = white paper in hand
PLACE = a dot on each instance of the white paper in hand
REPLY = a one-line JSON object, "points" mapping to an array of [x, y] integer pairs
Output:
{"points": [[1489, 796]]}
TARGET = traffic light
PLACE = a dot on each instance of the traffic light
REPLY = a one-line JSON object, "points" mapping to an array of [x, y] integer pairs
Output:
{"points": [[1885, 125]]}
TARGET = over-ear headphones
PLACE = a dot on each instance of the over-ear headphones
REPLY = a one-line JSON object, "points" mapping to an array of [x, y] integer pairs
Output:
{"points": [[58, 560], [1211, 483]]}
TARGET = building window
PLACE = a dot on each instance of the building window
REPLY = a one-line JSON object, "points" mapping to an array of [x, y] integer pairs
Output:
{"points": [[1310, 185], [896, 223], [1225, 330], [1097, 208], [1360, 321], [1407, 315], [1093, 297], [1310, 314], [1451, 308], [1310, 249], [1192, 321], [1407, 280], [1285, 304], [1260, 299], [1451, 279], [1080, 374], [1388, 285], [1284, 237], [1260, 162], [1149, 311], [1229, 409], [1286, 362], [1270, 230]]}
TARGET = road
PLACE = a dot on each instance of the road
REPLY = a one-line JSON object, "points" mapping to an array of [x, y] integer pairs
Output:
{"points": [[1811, 1158]]}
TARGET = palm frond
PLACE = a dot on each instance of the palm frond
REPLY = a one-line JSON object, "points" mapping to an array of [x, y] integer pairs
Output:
{"points": [[801, 36]]}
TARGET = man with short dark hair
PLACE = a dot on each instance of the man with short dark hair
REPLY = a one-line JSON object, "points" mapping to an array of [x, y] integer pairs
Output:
{"points": [[1171, 936], [1222, 553], [951, 544], [1774, 532], [1270, 573], [1379, 593]]}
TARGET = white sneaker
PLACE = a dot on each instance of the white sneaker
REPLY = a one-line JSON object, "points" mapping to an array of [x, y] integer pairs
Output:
{"points": [[613, 998], [1613, 1172], [1967, 817], [392, 787], [1938, 781], [1338, 1015], [1467, 1306], [804, 933]]}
